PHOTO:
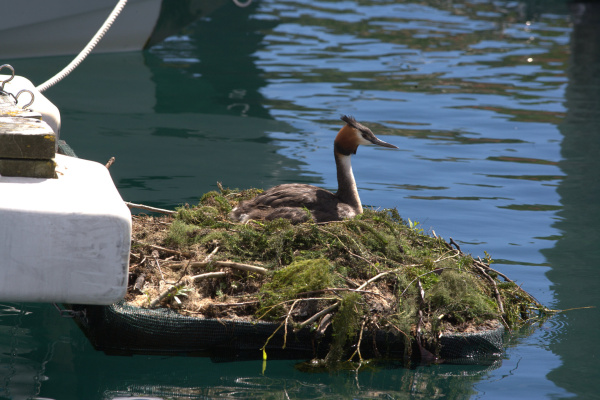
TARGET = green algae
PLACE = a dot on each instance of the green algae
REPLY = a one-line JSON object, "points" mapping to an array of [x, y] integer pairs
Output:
{"points": [[291, 281]]}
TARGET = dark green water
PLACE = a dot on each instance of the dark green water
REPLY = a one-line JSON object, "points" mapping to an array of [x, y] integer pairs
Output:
{"points": [[495, 109]]}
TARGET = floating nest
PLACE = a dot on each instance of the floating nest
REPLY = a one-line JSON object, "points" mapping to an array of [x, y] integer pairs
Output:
{"points": [[342, 284]]}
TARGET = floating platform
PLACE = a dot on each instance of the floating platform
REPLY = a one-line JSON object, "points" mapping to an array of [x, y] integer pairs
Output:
{"points": [[122, 329], [65, 239]]}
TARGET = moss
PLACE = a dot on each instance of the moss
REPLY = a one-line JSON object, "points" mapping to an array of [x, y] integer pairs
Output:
{"points": [[216, 200], [181, 235], [460, 298], [346, 325], [287, 283], [205, 216]]}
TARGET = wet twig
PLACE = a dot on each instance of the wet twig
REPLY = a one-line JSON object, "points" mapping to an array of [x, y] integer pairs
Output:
{"points": [[360, 336], [285, 322]]}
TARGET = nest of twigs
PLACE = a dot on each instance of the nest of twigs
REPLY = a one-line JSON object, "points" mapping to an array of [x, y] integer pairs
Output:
{"points": [[372, 272]]}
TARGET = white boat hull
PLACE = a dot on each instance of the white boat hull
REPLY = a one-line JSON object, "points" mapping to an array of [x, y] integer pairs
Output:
{"points": [[34, 28]]}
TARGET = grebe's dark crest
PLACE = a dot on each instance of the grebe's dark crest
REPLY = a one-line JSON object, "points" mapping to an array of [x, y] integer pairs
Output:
{"points": [[296, 201]]}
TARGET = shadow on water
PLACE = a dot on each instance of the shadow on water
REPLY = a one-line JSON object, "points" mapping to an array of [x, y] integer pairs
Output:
{"points": [[575, 257]]}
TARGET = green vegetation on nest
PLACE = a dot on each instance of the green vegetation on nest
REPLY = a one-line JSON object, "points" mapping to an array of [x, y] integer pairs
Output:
{"points": [[374, 271]]}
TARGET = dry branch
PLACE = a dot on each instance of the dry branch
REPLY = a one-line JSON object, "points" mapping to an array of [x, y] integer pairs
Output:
{"points": [[227, 264], [155, 255], [110, 162], [494, 286], [241, 304], [484, 265], [319, 314], [313, 292], [373, 279], [177, 285], [242, 267], [163, 249], [208, 275], [149, 208], [164, 294]]}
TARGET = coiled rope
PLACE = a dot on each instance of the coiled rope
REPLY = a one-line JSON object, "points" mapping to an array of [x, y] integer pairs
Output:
{"points": [[87, 49]]}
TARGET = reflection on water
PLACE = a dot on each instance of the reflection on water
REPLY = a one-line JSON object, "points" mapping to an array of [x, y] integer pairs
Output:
{"points": [[24, 352], [239, 383], [575, 255], [496, 150]]}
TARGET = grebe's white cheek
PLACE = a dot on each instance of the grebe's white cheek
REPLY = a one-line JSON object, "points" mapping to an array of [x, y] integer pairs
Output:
{"points": [[363, 141]]}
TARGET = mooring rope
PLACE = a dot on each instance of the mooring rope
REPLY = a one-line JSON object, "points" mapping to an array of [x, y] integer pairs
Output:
{"points": [[87, 49], [94, 41]]}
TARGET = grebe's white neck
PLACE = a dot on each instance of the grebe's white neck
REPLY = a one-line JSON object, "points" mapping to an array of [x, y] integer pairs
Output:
{"points": [[347, 191]]}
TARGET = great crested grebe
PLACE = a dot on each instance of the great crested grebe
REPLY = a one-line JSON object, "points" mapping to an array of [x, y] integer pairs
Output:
{"points": [[294, 201]]}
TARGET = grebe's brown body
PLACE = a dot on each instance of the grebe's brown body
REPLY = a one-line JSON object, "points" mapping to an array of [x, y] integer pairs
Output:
{"points": [[299, 202]]}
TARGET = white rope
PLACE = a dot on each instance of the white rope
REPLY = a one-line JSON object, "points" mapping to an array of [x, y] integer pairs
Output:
{"points": [[87, 50]]}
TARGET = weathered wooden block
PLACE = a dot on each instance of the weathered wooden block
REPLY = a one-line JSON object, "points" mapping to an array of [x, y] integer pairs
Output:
{"points": [[27, 138], [9, 109], [28, 168], [17, 112]]}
